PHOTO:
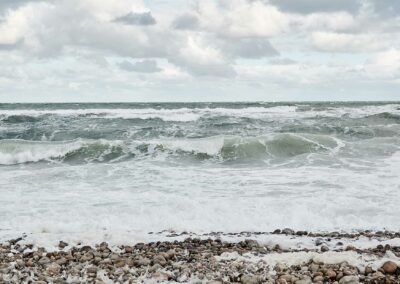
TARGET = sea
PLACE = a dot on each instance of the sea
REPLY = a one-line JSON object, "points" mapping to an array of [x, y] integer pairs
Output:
{"points": [[127, 171]]}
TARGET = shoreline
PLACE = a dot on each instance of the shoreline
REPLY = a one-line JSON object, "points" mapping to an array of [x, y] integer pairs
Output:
{"points": [[284, 256]]}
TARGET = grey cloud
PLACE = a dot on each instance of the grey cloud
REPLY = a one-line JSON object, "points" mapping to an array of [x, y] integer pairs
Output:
{"points": [[11, 46], [137, 19], [223, 70], [386, 8], [145, 66], [12, 4], [313, 6], [186, 22], [282, 61], [249, 48]]}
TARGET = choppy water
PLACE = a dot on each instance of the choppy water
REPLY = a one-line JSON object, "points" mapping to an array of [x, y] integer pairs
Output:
{"points": [[106, 170]]}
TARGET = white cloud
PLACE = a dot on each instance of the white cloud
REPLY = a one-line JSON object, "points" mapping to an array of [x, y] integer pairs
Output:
{"points": [[200, 58], [145, 66], [344, 42]]}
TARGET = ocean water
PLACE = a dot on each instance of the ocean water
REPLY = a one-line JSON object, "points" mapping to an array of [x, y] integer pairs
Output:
{"points": [[119, 171]]}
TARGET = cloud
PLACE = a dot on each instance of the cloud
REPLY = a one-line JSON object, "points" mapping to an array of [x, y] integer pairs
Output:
{"points": [[282, 61], [226, 42], [312, 6], [346, 43], [387, 8], [186, 22], [138, 19], [201, 59], [145, 66], [252, 48], [10, 46]]}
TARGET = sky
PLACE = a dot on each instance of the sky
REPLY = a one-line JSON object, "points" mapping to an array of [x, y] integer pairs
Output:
{"points": [[204, 50]]}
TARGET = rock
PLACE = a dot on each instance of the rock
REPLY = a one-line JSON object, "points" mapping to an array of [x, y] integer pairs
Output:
{"points": [[279, 267], [143, 261], [331, 274], [120, 263], [389, 267], [86, 257], [319, 241], [53, 269], [324, 248], [61, 261], [20, 263], [249, 279], [303, 281], [29, 263], [318, 278], [286, 277], [252, 243], [155, 267], [287, 231], [350, 279], [91, 269], [128, 249], [170, 254], [368, 270], [314, 267], [44, 260], [62, 244], [378, 275], [160, 260], [161, 276]]}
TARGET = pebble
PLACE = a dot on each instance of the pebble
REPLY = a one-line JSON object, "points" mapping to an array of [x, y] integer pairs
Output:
{"points": [[249, 279], [349, 280], [389, 267], [191, 260]]}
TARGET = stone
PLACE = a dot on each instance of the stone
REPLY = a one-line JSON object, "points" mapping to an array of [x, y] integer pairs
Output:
{"points": [[287, 231], [91, 269], [161, 276], [20, 263], [62, 244], [324, 248], [53, 269], [350, 279], [128, 249], [160, 260], [368, 270], [314, 267], [120, 263], [286, 277], [61, 261], [331, 274], [249, 279], [389, 267], [143, 261], [378, 275], [318, 278], [155, 267], [304, 281], [44, 260], [252, 243]]}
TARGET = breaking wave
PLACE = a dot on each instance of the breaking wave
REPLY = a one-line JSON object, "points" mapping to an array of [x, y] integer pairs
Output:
{"points": [[219, 148]]}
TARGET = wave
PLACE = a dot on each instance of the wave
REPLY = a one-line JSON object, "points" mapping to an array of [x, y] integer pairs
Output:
{"points": [[219, 148], [187, 114]]}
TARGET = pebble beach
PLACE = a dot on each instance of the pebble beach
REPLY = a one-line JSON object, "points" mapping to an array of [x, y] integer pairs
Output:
{"points": [[210, 258]]}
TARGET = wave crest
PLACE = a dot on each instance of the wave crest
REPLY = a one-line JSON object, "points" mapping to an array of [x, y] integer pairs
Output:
{"points": [[220, 148]]}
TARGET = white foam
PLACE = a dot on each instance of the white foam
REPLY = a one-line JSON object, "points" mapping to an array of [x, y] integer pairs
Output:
{"points": [[193, 114], [299, 258], [20, 151]]}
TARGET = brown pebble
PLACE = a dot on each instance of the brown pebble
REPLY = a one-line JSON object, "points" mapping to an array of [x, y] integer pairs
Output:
{"points": [[389, 267]]}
